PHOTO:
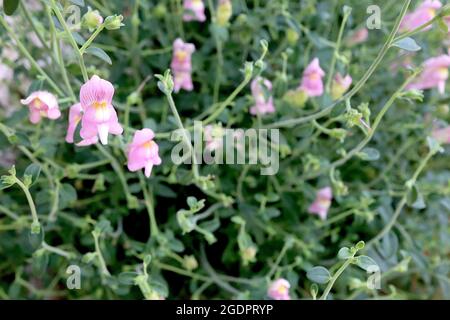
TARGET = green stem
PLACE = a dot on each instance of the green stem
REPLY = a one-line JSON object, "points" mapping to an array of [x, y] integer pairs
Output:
{"points": [[402, 202], [30, 203], [292, 122], [336, 52], [33, 26], [91, 39], [335, 277], [185, 136], [101, 260], [71, 40], [25, 52], [150, 206]]}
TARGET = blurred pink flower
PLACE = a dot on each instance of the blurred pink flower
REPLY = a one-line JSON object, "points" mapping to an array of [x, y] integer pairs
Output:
{"points": [[213, 136], [181, 65], [340, 85], [42, 104], [143, 152], [312, 82], [100, 117], [6, 73], [194, 10], [322, 203], [357, 37], [75, 114], [435, 74], [9, 53], [34, 39], [261, 89], [424, 13], [442, 135], [279, 290], [4, 99]]}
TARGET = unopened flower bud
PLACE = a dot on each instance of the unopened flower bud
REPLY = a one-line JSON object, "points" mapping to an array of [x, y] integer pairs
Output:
{"points": [[92, 20], [114, 22], [248, 254], [292, 36], [190, 263]]}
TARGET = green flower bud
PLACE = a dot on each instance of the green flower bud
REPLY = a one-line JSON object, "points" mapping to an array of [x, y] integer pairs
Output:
{"points": [[92, 20], [114, 22], [190, 263], [292, 36], [160, 10], [353, 118]]}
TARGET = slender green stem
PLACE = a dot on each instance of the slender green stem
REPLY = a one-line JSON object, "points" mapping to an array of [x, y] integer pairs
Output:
{"points": [[228, 101], [58, 251], [292, 122], [91, 39], [185, 136], [335, 277], [9, 213], [278, 260], [61, 65], [30, 201], [33, 26], [117, 168], [402, 202], [101, 260], [376, 123], [336, 52], [27, 54], [71, 40], [150, 206]]}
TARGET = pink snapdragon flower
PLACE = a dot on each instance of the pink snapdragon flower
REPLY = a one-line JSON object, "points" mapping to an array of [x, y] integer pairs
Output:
{"points": [[357, 37], [99, 117], [435, 74], [263, 104], [194, 10], [424, 13], [42, 104], [340, 85], [181, 65], [143, 152], [322, 203], [312, 83], [279, 290], [75, 115], [442, 135]]}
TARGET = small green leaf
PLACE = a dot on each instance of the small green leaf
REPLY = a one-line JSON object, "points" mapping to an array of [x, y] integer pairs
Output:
{"points": [[33, 171], [408, 44], [366, 263], [319, 275], [369, 154], [344, 253], [99, 53], [127, 278], [10, 6]]}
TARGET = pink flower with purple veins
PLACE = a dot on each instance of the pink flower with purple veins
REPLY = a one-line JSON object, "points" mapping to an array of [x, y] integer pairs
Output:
{"points": [[261, 89], [75, 115], [42, 104], [435, 74], [100, 117], [279, 290], [322, 203], [194, 10], [143, 152], [181, 65], [312, 83], [423, 14]]}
